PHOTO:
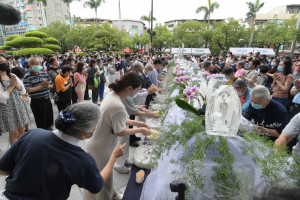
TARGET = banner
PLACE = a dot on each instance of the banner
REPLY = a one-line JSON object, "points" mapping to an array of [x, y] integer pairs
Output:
{"points": [[240, 51], [264, 51], [191, 51]]}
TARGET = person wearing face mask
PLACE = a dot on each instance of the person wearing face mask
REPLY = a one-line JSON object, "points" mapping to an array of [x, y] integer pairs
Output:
{"points": [[296, 74], [53, 72], [262, 79], [252, 72], [111, 70], [240, 70], [64, 83], [46, 164], [112, 124], [233, 63], [230, 76], [269, 116], [37, 84], [283, 80], [13, 116], [243, 92], [93, 74], [295, 107]]}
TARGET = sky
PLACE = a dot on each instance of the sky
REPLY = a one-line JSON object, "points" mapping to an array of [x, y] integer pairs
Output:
{"points": [[165, 10]]}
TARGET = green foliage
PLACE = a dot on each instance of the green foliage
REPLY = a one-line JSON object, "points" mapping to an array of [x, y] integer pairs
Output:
{"points": [[147, 19], [9, 52], [81, 53], [163, 37], [208, 10], [53, 47], [8, 43], [32, 51], [186, 106], [5, 47], [51, 40], [11, 37], [26, 42], [37, 34]]}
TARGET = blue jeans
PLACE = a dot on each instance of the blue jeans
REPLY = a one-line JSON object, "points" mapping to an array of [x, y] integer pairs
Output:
{"points": [[283, 101], [101, 90]]}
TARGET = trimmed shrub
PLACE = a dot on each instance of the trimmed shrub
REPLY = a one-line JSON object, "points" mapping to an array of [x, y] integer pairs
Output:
{"points": [[10, 52], [51, 40], [81, 53], [8, 43], [26, 42], [38, 34], [5, 47], [99, 46], [32, 51], [11, 37], [52, 47]]}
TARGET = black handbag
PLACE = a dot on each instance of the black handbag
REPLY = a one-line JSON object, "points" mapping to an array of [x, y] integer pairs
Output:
{"points": [[102, 78]]}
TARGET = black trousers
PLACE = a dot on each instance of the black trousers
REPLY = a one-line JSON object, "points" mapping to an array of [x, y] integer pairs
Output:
{"points": [[294, 110], [62, 105], [86, 93], [74, 96], [132, 138], [42, 112]]}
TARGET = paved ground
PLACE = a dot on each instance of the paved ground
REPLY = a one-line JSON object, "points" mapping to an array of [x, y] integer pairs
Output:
{"points": [[120, 180]]}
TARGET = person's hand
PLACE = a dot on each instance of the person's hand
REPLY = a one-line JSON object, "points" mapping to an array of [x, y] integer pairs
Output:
{"points": [[70, 81], [152, 115], [142, 124], [145, 131], [85, 73], [276, 76], [151, 90], [118, 150], [45, 84], [13, 80], [297, 84], [254, 79]]}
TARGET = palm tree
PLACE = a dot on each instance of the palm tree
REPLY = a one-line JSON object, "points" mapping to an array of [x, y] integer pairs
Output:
{"points": [[208, 10], [68, 2], [147, 18], [94, 4], [253, 9]]}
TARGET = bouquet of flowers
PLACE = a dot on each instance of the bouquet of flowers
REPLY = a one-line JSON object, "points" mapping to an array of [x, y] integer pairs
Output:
{"points": [[182, 80]]}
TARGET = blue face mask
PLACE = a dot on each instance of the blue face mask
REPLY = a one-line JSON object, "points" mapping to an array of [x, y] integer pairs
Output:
{"points": [[273, 64], [280, 68], [231, 61], [227, 78], [149, 73], [36, 68], [130, 98], [83, 60], [256, 106]]}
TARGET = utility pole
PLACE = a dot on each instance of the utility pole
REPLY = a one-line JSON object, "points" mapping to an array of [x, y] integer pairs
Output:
{"points": [[151, 31], [295, 37], [120, 26]]}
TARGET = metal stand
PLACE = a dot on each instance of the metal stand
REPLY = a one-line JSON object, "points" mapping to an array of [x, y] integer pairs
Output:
{"points": [[180, 187]]}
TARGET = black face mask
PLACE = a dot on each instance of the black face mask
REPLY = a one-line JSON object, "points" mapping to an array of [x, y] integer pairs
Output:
{"points": [[4, 67]]}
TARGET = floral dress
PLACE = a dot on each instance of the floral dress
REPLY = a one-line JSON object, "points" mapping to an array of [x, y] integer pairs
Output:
{"points": [[13, 114]]}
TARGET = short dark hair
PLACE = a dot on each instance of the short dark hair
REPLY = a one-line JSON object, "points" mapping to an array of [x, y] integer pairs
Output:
{"points": [[127, 55], [66, 68], [264, 68], [227, 71], [110, 60], [157, 61], [18, 71]]}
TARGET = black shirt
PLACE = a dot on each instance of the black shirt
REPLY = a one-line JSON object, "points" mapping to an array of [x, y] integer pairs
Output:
{"points": [[45, 167]]}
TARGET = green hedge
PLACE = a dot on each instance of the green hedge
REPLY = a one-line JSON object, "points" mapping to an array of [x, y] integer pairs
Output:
{"points": [[99, 46], [81, 53], [9, 52], [51, 40], [32, 51], [38, 34], [11, 37], [52, 47], [8, 43], [5, 47], [26, 42]]}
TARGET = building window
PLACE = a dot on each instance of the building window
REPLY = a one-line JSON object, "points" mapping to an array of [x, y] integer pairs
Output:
{"points": [[40, 18], [134, 27], [29, 18], [37, 4], [28, 12], [171, 26]]}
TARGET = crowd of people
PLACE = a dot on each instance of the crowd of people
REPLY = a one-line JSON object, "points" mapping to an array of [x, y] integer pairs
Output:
{"points": [[267, 87], [35, 81]]}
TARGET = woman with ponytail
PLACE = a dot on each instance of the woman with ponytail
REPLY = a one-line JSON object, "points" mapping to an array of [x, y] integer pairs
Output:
{"points": [[112, 124]]}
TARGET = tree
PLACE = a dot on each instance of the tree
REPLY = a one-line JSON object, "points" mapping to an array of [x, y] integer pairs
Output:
{"points": [[147, 18], [208, 10], [253, 9], [68, 2], [94, 4], [162, 38]]}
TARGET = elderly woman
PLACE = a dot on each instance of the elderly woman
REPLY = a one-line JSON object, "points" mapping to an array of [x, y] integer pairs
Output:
{"points": [[269, 116], [113, 123], [243, 92], [45, 165], [13, 115]]}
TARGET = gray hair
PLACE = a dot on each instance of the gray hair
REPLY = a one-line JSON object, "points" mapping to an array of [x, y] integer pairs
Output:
{"points": [[149, 65], [87, 115], [261, 92], [32, 59], [239, 84], [137, 66]]}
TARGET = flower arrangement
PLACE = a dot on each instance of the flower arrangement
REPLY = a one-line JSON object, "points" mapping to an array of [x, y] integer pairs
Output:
{"points": [[190, 92], [178, 72], [182, 79]]}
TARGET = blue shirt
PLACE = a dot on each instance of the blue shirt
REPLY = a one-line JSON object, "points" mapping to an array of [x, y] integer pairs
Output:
{"points": [[274, 116], [296, 98], [247, 100], [43, 166], [31, 80]]}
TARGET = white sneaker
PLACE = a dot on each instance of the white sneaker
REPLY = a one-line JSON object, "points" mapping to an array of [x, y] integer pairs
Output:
{"points": [[122, 170], [118, 196]]}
